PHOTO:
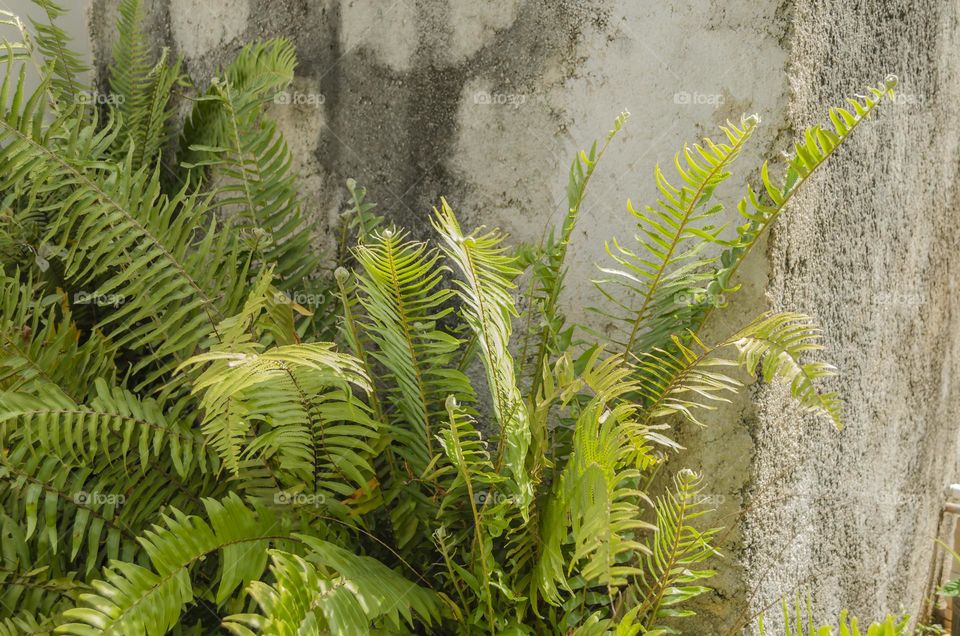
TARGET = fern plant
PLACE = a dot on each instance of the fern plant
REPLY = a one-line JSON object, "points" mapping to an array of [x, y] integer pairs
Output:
{"points": [[187, 449], [798, 621]]}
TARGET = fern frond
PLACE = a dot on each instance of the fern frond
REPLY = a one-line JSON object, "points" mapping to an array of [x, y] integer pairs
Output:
{"points": [[358, 223], [474, 472], [62, 64], [356, 340], [137, 600], [21, 49], [489, 310], [37, 334], [405, 303], [113, 423], [676, 547], [683, 379], [48, 50], [760, 211], [323, 431], [334, 591], [550, 270], [46, 503], [142, 87], [33, 592], [671, 238], [691, 376], [229, 134], [473, 511], [596, 500], [117, 234], [800, 623], [26, 623], [780, 340]]}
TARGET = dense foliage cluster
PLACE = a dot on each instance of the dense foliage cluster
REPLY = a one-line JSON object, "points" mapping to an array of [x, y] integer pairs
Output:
{"points": [[188, 448]]}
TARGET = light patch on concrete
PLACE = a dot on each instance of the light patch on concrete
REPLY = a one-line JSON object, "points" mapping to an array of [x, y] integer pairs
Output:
{"points": [[517, 143], [475, 22], [387, 29], [200, 27], [678, 92]]}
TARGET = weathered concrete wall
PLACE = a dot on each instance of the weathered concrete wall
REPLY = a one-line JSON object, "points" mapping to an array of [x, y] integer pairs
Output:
{"points": [[485, 102], [870, 250]]}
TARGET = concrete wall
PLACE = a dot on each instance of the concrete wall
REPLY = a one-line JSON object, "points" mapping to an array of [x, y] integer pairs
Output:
{"points": [[485, 102]]}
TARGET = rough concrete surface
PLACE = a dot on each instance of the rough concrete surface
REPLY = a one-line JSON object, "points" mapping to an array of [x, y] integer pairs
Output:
{"points": [[486, 101], [870, 250]]}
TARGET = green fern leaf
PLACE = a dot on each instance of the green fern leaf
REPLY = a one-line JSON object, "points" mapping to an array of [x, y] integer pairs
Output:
{"points": [[334, 591], [136, 600], [760, 212], [675, 549], [489, 310], [672, 238]]}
